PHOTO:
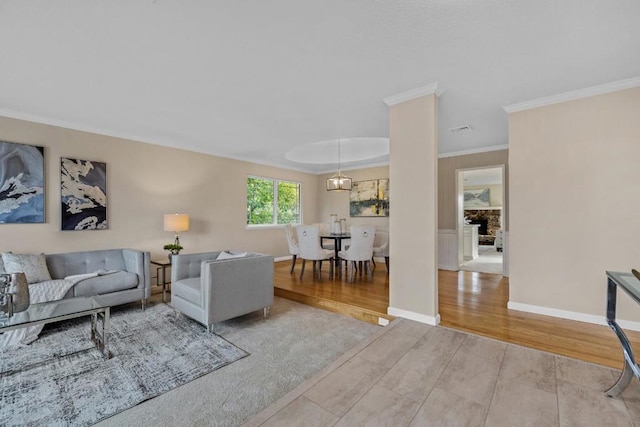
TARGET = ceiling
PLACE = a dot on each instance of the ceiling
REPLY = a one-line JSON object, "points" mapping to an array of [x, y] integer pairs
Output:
{"points": [[254, 80], [483, 176]]}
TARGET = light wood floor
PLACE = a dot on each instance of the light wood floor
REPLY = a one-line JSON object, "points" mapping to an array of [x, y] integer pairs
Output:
{"points": [[473, 302]]}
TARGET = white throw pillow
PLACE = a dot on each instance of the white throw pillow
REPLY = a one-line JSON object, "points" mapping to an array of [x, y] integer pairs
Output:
{"points": [[229, 255], [34, 266]]}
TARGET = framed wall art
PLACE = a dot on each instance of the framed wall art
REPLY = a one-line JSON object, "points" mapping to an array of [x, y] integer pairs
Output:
{"points": [[369, 198], [21, 183], [83, 191], [478, 198]]}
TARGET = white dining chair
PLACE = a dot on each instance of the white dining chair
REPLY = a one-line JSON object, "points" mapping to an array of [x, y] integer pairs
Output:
{"points": [[360, 249], [310, 249], [325, 228], [292, 241], [381, 248]]}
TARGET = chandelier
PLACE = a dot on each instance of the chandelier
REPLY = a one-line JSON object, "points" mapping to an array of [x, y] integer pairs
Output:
{"points": [[338, 182]]}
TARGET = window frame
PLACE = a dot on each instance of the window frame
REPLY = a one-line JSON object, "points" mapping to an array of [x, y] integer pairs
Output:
{"points": [[274, 219]]}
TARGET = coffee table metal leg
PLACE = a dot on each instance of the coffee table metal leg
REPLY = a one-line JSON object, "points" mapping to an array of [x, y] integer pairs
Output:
{"points": [[100, 338]]}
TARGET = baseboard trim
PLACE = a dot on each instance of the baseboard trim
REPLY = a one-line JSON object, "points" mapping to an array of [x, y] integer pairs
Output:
{"points": [[411, 315], [283, 258], [448, 267], [571, 315]]}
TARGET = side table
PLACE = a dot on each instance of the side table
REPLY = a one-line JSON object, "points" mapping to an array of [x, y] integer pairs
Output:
{"points": [[162, 264]]}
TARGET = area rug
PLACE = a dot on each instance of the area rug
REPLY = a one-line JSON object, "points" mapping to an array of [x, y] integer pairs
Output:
{"points": [[62, 378], [488, 261]]}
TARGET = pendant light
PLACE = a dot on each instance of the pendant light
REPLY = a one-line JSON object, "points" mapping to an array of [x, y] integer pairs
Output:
{"points": [[338, 182]]}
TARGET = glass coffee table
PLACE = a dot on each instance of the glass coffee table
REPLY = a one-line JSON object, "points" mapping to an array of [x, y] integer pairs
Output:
{"points": [[55, 311]]}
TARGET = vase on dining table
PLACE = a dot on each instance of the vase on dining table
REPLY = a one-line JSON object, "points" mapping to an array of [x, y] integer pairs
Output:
{"points": [[334, 224]]}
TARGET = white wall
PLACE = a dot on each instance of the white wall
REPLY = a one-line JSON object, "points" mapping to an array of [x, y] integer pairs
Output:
{"points": [[574, 172], [144, 182]]}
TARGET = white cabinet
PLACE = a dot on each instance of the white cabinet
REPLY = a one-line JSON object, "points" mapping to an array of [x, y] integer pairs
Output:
{"points": [[470, 242]]}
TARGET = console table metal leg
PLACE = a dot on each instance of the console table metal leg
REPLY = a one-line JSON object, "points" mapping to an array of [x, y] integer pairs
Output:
{"points": [[623, 381], [630, 367]]}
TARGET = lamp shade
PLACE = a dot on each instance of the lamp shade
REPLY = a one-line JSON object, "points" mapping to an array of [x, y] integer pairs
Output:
{"points": [[176, 222]]}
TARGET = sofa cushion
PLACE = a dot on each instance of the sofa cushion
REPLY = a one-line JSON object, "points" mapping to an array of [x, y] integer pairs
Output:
{"points": [[188, 289], [105, 284], [34, 266]]}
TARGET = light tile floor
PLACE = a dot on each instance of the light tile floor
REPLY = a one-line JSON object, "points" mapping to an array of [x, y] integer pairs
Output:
{"points": [[412, 374]]}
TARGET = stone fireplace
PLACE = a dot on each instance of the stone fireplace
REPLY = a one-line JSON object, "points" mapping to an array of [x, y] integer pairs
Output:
{"points": [[489, 220]]}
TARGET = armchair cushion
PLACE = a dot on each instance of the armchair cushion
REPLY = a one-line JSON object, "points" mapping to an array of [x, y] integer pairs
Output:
{"points": [[189, 289]]}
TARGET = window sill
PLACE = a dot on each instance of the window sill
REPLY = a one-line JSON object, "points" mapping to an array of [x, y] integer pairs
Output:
{"points": [[264, 227]]}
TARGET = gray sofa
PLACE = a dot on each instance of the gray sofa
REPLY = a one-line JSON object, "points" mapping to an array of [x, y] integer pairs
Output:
{"points": [[210, 291], [131, 281]]}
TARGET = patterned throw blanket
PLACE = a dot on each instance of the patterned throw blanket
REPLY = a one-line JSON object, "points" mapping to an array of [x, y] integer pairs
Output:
{"points": [[49, 290]]}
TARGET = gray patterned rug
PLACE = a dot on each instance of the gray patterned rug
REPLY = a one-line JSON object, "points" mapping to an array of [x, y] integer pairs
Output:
{"points": [[62, 378]]}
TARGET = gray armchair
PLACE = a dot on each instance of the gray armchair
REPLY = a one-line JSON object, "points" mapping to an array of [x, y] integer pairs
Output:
{"points": [[211, 291]]}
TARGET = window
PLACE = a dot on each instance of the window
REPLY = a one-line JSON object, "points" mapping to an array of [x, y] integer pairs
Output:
{"points": [[271, 201]]}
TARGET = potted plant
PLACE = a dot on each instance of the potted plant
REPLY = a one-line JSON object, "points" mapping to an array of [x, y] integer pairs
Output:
{"points": [[173, 248]]}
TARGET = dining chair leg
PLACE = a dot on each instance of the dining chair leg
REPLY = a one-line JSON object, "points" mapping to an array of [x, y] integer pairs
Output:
{"points": [[353, 270], [386, 261], [369, 272], [314, 268], [320, 270], [304, 262], [293, 263], [374, 262], [360, 266]]}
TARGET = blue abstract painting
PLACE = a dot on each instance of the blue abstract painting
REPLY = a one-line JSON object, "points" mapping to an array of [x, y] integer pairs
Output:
{"points": [[21, 183], [477, 198], [84, 194]]}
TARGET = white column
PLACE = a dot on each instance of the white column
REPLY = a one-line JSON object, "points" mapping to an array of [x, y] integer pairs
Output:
{"points": [[413, 131]]}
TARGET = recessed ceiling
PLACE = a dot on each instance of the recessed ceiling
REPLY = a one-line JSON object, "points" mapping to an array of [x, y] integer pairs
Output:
{"points": [[254, 80], [351, 151]]}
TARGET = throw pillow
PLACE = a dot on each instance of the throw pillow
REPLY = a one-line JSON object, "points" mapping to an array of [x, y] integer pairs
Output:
{"points": [[229, 255], [34, 266]]}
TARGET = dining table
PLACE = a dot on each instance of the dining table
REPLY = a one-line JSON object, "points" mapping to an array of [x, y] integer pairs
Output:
{"points": [[337, 240]]}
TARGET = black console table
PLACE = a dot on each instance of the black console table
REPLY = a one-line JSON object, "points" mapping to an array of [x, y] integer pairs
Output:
{"points": [[631, 286]]}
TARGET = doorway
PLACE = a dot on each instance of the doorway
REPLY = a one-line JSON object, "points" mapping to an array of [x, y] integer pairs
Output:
{"points": [[480, 219]]}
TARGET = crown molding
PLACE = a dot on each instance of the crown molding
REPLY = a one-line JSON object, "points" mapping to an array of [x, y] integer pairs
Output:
{"points": [[573, 95], [474, 151], [134, 138], [430, 89], [353, 168]]}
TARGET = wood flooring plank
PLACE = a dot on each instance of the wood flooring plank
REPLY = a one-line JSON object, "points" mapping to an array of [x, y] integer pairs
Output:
{"points": [[471, 302]]}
